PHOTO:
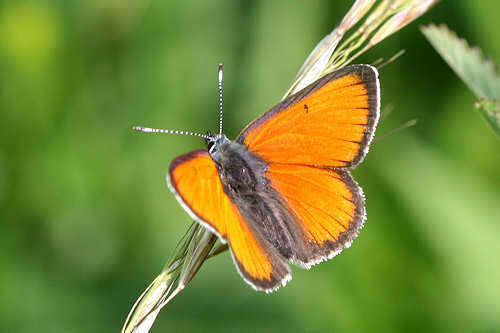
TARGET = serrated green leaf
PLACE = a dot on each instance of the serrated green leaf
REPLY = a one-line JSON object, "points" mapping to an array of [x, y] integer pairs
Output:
{"points": [[478, 73], [491, 110]]}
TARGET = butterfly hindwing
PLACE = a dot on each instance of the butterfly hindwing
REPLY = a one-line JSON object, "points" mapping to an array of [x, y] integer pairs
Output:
{"points": [[195, 181], [327, 205]]}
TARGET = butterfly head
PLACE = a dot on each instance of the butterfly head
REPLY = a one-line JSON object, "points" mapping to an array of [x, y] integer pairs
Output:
{"points": [[215, 141]]}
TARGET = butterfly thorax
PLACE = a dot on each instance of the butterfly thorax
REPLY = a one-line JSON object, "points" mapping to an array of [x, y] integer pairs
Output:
{"points": [[239, 169]]}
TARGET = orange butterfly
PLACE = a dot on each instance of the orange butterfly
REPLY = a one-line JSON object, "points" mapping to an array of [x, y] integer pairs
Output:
{"points": [[281, 192]]}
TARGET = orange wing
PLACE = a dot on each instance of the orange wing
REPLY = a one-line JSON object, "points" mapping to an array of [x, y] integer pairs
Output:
{"points": [[195, 181], [329, 123], [327, 204]]}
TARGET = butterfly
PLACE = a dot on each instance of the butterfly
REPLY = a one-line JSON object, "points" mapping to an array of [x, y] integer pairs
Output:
{"points": [[281, 192]]}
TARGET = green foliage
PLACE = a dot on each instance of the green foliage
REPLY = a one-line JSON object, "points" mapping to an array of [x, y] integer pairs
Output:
{"points": [[491, 111], [87, 219], [478, 73]]}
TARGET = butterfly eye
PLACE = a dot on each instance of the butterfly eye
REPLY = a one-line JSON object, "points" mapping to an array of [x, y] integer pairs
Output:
{"points": [[210, 144]]}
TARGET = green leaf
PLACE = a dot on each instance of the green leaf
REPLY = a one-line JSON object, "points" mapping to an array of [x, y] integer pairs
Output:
{"points": [[491, 110], [478, 73]]}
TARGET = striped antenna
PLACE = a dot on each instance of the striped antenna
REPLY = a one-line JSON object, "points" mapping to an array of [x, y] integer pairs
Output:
{"points": [[157, 130], [220, 99]]}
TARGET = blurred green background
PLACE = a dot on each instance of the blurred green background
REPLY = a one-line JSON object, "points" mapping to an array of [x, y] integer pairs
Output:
{"points": [[87, 220]]}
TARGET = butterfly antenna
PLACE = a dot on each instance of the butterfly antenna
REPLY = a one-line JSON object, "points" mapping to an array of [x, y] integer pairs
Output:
{"points": [[158, 130], [220, 99]]}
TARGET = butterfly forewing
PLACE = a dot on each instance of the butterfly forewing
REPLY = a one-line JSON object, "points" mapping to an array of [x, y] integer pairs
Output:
{"points": [[329, 123], [195, 181]]}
